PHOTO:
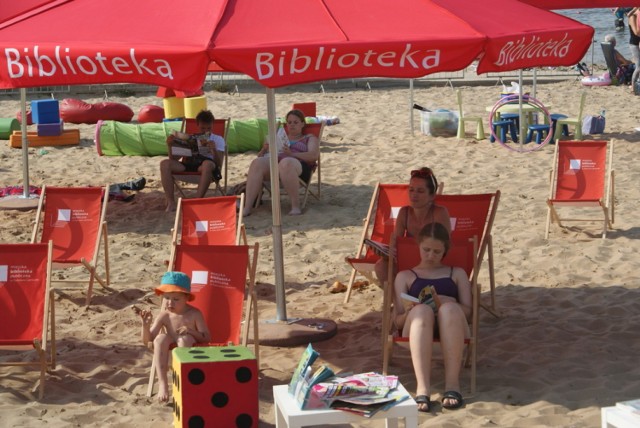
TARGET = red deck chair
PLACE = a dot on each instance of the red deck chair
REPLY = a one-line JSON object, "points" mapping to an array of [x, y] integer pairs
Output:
{"points": [[473, 215], [222, 280], [74, 219], [582, 177], [209, 221], [27, 319], [220, 127], [386, 201], [311, 128], [463, 253], [308, 108]]}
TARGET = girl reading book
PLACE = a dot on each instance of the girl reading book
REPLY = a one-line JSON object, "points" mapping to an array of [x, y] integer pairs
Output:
{"points": [[448, 288]]}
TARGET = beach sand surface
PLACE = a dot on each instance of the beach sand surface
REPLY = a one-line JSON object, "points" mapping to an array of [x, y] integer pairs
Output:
{"points": [[564, 346]]}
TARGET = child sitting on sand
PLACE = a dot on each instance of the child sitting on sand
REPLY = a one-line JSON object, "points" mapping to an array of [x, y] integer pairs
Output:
{"points": [[178, 323]]}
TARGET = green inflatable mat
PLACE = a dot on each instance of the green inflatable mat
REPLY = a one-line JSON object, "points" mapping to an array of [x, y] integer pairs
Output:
{"points": [[7, 126], [149, 139]]}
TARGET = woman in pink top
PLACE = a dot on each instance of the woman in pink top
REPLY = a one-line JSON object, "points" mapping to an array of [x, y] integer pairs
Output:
{"points": [[296, 159]]}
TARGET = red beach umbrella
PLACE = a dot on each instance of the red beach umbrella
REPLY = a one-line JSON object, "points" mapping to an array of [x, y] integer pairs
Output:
{"points": [[277, 42]]}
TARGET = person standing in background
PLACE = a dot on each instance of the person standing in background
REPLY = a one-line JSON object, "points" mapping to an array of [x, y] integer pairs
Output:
{"points": [[634, 43]]}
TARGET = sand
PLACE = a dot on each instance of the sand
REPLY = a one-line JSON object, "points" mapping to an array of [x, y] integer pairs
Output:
{"points": [[564, 346]]}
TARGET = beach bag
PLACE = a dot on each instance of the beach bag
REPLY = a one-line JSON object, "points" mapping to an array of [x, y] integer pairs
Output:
{"points": [[593, 125]]}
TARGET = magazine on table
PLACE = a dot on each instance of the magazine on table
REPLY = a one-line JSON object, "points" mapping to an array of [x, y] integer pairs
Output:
{"points": [[363, 393], [368, 409], [378, 247]]}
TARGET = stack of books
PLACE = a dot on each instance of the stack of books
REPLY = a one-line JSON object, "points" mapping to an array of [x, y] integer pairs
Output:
{"points": [[364, 394]]}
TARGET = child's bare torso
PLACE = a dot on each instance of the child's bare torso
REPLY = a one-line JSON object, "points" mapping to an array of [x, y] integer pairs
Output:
{"points": [[173, 321]]}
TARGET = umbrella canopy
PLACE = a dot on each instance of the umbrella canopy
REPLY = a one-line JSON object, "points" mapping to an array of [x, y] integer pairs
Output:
{"points": [[579, 4], [411, 38], [75, 42], [277, 42]]}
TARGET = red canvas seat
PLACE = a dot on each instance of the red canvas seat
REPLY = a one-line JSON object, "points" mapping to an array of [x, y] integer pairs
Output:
{"points": [[463, 253], [582, 177], [208, 221], [308, 108], [473, 215], [27, 319], [386, 201], [222, 281], [74, 219]]}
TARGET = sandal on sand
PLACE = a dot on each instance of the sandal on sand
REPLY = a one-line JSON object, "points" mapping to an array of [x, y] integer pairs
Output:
{"points": [[452, 395], [423, 399]]}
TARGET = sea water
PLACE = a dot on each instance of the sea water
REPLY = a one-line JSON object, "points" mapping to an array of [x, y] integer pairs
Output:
{"points": [[603, 22]]}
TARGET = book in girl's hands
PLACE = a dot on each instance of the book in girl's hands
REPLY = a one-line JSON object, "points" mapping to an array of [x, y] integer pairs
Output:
{"points": [[378, 247], [428, 296]]}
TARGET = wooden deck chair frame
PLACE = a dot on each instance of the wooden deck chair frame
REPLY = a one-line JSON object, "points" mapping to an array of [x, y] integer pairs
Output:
{"points": [[40, 335], [220, 127], [377, 226], [250, 303], [590, 187], [474, 215], [316, 129], [575, 121], [463, 253], [464, 118], [44, 217]]}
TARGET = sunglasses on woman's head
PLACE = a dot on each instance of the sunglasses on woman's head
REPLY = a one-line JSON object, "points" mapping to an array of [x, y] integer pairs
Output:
{"points": [[422, 173]]}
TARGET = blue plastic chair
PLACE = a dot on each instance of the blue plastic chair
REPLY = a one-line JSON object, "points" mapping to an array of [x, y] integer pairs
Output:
{"points": [[539, 130]]}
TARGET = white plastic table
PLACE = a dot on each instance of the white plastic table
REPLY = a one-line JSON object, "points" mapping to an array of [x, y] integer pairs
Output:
{"points": [[289, 415], [615, 417]]}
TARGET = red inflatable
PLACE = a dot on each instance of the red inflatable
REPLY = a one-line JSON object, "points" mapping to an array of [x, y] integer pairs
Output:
{"points": [[19, 117], [150, 113], [78, 111]]}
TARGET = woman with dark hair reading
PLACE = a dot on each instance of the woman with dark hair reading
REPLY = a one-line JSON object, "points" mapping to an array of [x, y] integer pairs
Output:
{"points": [[450, 287], [421, 210]]}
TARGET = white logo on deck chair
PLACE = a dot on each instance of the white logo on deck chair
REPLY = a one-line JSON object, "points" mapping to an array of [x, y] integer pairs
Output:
{"points": [[64, 215], [199, 278]]}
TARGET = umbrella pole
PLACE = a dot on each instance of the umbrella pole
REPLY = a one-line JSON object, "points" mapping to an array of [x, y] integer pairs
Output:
{"points": [[278, 259], [283, 331], [25, 143], [522, 127], [411, 105]]}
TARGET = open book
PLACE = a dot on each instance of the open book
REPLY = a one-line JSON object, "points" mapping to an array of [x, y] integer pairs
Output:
{"points": [[184, 147], [378, 247], [428, 296]]}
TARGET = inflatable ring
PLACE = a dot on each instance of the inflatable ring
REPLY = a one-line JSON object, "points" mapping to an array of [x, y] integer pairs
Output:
{"points": [[530, 101]]}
